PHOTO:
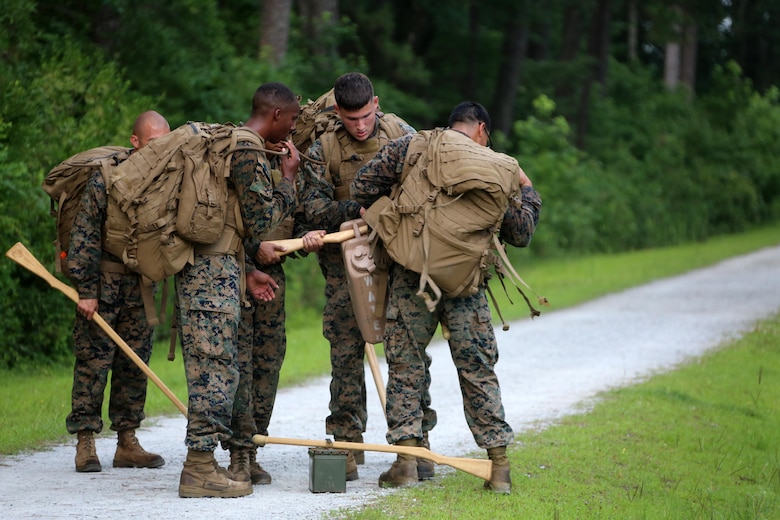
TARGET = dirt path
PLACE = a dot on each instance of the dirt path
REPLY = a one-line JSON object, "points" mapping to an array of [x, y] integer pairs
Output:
{"points": [[549, 367]]}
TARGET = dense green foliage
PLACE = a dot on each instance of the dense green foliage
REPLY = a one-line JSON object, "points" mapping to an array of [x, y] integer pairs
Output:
{"points": [[649, 166]]}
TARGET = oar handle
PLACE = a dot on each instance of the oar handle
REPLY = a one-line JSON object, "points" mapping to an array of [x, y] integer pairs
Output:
{"points": [[296, 244], [22, 256]]}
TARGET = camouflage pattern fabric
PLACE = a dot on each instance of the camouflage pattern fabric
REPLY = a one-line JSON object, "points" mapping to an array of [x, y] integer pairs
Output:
{"points": [[121, 305], [263, 205], [410, 326], [269, 346], [208, 299], [262, 344], [348, 415], [209, 304]]}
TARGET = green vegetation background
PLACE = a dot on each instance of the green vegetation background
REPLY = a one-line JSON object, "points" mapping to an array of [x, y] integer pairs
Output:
{"points": [[657, 167]]}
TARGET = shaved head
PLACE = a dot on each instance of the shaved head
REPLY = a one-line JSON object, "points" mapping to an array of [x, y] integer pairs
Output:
{"points": [[148, 125]]}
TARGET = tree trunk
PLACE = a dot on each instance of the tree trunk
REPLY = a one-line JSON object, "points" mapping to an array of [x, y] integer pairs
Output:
{"points": [[572, 34], [275, 29], [317, 15], [688, 57], [513, 55], [680, 54], [672, 65], [633, 29], [598, 49]]}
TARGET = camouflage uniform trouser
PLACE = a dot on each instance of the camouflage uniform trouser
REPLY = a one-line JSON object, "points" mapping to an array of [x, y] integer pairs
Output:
{"points": [[348, 415], [262, 344], [209, 311], [122, 308], [410, 328]]}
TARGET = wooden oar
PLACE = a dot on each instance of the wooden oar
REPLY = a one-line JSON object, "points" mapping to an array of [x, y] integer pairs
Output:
{"points": [[373, 363], [296, 244], [478, 467], [22, 256]]}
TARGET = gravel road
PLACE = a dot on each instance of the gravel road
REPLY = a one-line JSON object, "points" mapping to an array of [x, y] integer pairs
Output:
{"points": [[549, 367]]}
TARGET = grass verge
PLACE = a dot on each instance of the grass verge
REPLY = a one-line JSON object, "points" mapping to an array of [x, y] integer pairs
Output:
{"points": [[698, 443]]}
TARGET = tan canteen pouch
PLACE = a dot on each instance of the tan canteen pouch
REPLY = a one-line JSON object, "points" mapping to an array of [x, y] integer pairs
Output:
{"points": [[366, 264]]}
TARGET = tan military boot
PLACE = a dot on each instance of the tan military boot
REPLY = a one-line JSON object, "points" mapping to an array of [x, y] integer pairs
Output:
{"points": [[403, 472], [200, 478], [352, 469], [239, 465], [256, 471], [130, 454], [86, 457], [426, 469], [500, 478], [358, 455]]}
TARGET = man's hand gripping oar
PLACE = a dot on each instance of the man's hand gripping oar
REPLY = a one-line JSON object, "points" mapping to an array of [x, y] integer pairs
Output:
{"points": [[22, 256], [478, 467], [291, 245]]}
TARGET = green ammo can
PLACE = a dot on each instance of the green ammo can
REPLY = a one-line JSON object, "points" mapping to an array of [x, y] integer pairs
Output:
{"points": [[327, 470]]}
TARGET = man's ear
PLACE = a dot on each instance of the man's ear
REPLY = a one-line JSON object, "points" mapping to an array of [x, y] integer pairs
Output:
{"points": [[277, 114], [134, 141]]}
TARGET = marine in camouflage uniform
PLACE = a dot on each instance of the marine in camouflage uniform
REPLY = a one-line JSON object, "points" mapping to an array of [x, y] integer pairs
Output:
{"points": [[262, 345], [410, 327], [326, 208], [99, 275], [210, 304], [106, 286], [209, 295]]}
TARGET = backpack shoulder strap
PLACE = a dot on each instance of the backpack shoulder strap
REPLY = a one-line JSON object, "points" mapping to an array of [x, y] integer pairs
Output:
{"points": [[392, 125], [332, 144]]}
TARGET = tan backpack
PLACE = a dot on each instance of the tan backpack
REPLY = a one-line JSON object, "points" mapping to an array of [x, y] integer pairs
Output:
{"points": [[442, 219], [171, 195], [65, 185], [316, 117]]}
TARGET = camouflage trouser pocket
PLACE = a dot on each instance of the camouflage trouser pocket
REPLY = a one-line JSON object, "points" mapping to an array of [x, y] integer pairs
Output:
{"points": [[212, 328]]}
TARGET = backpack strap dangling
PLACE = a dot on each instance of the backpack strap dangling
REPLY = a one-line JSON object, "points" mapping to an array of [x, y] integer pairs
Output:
{"points": [[515, 278]]}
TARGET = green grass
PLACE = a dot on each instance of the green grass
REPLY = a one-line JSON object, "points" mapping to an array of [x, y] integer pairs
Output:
{"points": [[35, 415], [700, 442]]}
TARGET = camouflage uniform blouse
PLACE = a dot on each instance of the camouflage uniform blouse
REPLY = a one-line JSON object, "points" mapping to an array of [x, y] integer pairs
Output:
{"points": [[86, 251], [263, 207], [322, 210]]}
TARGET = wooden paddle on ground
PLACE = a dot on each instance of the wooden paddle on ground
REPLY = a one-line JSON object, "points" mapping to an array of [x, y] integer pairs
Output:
{"points": [[22, 256], [478, 467]]}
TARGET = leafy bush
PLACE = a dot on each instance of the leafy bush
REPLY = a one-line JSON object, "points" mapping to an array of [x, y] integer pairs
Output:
{"points": [[70, 101]]}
